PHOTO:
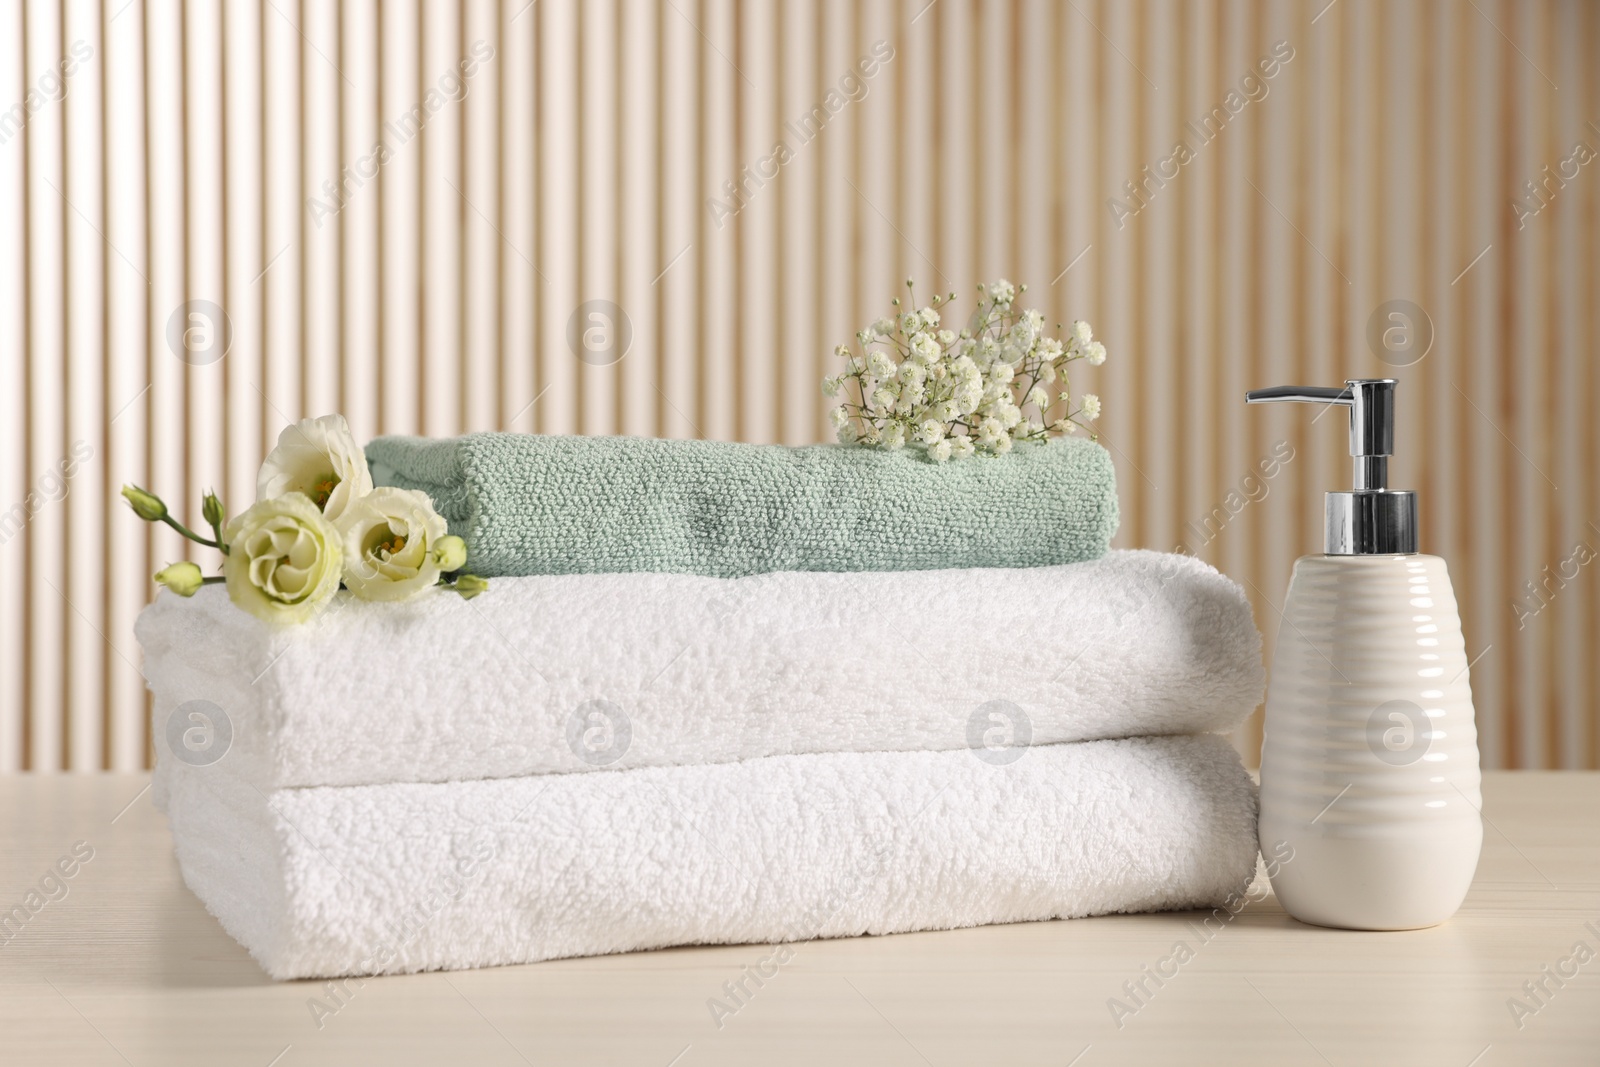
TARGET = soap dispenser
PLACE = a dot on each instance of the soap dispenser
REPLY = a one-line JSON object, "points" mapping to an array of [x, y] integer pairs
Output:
{"points": [[1369, 764]]}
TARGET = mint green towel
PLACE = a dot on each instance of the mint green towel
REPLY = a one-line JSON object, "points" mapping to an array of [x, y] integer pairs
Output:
{"points": [[530, 504]]}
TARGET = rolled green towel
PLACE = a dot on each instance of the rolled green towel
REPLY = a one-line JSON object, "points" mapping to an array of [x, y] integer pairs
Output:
{"points": [[529, 504]]}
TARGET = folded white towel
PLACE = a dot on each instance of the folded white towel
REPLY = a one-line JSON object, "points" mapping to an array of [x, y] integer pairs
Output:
{"points": [[579, 672], [395, 878]]}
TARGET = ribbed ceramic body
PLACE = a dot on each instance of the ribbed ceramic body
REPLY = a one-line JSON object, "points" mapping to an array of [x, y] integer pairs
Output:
{"points": [[1369, 768]]}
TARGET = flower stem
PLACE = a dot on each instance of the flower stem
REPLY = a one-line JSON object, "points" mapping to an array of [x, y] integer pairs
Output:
{"points": [[191, 535], [214, 579]]}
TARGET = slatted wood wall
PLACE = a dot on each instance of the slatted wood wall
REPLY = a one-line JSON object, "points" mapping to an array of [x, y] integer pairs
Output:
{"points": [[218, 159]]}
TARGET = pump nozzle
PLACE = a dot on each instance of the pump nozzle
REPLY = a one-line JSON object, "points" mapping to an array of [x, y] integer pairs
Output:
{"points": [[1371, 518]]}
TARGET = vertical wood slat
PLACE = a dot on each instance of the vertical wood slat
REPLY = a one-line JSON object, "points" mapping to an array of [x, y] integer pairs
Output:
{"points": [[15, 479], [358, 222], [580, 161], [399, 235], [559, 148], [516, 67], [44, 646], [127, 382], [84, 509], [638, 233]]}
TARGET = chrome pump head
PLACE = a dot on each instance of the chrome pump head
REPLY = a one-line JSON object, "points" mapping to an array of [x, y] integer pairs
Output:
{"points": [[1371, 519]]}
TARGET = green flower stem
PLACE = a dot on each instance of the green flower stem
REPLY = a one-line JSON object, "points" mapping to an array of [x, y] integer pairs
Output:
{"points": [[215, 579], [191, 535]]}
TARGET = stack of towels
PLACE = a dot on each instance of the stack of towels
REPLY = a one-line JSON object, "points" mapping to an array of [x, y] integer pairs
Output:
{"points": [[716, 693]]}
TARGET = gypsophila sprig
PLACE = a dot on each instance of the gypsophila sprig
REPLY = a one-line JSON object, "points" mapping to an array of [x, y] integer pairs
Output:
{"points": [[912, 380]]}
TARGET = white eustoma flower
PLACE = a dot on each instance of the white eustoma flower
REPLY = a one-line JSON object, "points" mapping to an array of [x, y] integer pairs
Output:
{"points": [[320, 458], [284, 559], [940, 451], [1082, 331], [1096, 353], [389, 540], [931, 432], [1090, 405]]}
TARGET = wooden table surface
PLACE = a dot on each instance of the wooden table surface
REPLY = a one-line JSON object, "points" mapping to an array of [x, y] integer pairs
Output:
{"points": [[122, 965]]}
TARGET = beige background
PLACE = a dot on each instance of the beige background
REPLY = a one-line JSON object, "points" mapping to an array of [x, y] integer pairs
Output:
{"points": [[178, 158]]}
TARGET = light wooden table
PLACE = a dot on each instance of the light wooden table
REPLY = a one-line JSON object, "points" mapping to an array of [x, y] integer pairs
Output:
{"points": [[127, 968]]}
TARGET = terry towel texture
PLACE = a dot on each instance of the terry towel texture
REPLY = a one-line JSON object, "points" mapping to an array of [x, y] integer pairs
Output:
{"points": [[395, 878], [529, 504], [586, 672]]}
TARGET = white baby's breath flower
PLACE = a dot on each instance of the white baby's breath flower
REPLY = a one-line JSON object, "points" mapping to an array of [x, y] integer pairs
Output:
{"points": [[960, 446], [1082, 331], [939, 451], [1009, 414], [1096, 353], [930, 318], [837, 417], [894, 436], [320, 458], [389, 540], [880, 365], [931, 432], [1090, 405], [947, 411], [1035, 319], [990, 431], [1050, 348], [883, 399], [841, 350], [1038, 397], [1002, 372], [1001, 446], [1064, 426], [847, 433], [1003, 292], [1047, 373], [883, 327], [946, 338], [830, 387], [924, 347], [910, 323], [284, 559]]}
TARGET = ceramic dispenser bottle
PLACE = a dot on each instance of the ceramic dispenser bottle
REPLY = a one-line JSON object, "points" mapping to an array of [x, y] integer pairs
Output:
{"points": [[1369, 767]]}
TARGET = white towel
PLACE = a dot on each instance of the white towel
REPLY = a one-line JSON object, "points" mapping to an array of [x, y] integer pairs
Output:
{"points": [[345, 880], [581, 672]]}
